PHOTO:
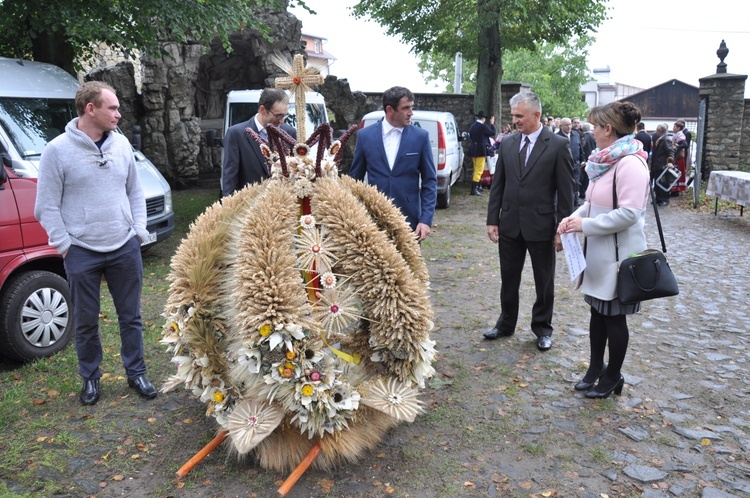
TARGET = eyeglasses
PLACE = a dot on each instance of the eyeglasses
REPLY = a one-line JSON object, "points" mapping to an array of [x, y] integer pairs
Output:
{"points": [[279, 116]]}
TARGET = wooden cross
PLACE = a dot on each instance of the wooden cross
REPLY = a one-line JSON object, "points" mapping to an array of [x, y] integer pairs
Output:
{"points": [[298, 82]]}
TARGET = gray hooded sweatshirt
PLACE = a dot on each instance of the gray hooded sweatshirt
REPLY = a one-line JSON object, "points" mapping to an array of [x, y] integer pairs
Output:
{"points": [[87, 197]]}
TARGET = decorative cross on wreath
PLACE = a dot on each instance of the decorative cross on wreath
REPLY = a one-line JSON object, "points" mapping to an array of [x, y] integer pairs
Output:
{"points": [[298, 81]]}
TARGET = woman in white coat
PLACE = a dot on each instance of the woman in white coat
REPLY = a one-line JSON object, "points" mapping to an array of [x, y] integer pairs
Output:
{"points": [[618, 158]]}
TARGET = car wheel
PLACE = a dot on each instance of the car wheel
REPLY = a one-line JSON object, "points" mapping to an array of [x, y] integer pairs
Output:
{"points": [[444, 199], [37, 319]]}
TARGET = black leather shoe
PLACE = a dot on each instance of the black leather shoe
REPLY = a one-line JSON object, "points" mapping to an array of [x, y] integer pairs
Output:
{"points": [[544, 343], [90, 392], [600, 392], [588, 380], [496, 333], [144, 387]]}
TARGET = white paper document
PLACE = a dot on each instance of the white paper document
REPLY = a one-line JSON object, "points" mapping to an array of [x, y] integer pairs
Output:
{"points": [[573, 254]]}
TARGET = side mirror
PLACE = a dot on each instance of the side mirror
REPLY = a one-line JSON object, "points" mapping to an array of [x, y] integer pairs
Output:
{"points": [[137, 140], [212, 139]]}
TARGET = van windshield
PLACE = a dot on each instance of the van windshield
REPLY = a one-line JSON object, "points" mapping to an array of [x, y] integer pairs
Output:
{"points": [[31, 123], [243, 111]]}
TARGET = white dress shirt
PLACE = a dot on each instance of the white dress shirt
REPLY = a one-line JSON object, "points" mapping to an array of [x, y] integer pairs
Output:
{"points": [[391, 141]]}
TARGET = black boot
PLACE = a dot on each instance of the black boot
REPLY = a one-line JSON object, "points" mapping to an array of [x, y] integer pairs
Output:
{"points": [[475, 189]]}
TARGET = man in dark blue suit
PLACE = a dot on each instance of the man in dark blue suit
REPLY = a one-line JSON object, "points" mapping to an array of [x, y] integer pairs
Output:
{"points": [[243, 162], [397, 159]]}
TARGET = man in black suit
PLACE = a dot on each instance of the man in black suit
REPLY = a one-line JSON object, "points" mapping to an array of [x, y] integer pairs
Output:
{"points": [[573, 135], [643, 137], [531, 192], [243, 161]]}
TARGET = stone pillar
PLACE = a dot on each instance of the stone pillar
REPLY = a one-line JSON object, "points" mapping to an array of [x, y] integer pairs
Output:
{"points": [[725, 118]]}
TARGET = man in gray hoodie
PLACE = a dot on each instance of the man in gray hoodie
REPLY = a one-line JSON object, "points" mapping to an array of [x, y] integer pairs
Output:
{"points": [[90, 202]]}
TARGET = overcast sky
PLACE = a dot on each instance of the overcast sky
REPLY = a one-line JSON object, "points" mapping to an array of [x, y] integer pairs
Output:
{"points": [[645, 43]]}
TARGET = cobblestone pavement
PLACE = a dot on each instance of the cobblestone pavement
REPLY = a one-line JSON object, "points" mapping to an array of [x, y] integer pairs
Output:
{"points": [[501, 417], [682, 425]]}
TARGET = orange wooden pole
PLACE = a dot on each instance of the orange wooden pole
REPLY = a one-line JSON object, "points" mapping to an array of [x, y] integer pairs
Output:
{"points": [[202, 454], [301, 468]]}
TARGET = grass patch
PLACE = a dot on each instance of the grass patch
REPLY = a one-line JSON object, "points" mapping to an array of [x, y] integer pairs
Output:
{"points": [[40, 415]]}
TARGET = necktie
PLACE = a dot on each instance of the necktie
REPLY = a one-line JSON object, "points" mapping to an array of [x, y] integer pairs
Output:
{"points": [[262, 133], [523, 152]]}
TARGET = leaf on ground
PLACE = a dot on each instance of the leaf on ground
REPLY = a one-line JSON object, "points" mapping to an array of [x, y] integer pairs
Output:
{"points": [[438, 383], [499, 478], [380, 455], [38, 402], [151, 420], [118, 477], [525, 484], [389, 490], [102, 484], [41, 439], [135, 457], [325, 485], [141, 447], [548, 493], [705, 442], [469, 484], [52, 393]]}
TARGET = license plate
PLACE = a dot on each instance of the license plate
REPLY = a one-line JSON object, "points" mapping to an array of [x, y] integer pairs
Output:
{"points": [[150, 239]]}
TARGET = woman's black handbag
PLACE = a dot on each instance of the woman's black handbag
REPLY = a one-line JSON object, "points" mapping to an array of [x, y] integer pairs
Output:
{"points": [[646, 275]]}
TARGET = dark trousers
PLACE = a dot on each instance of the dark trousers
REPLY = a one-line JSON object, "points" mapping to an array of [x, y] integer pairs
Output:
{"points": [[661, 194], [123, 271], [512, 260]]}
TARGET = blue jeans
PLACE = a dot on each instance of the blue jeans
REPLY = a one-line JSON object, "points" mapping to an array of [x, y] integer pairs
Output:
{"points": [[123, 271]]}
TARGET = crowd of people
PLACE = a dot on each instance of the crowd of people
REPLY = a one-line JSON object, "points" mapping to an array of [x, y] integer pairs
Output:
{"points": [[553, 176]]}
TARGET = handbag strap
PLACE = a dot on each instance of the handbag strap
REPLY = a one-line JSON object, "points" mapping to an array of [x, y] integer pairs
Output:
{"points": [[656, 213]]}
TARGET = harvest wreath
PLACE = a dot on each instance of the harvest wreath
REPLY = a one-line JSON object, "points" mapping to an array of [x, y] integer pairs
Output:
{"points": [[299, 310]]}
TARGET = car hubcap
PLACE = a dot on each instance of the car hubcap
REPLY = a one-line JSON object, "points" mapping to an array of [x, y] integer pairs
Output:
{"points": [[44, 317]]}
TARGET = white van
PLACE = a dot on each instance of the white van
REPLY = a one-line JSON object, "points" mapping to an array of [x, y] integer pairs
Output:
{"points": [[445, 141], [243, 105], [37, 100]]}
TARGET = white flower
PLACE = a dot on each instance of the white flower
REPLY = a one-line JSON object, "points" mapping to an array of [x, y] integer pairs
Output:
{"points": [[285, 334], [307, 221], [328, 280], [250, 359], [343, 397]]}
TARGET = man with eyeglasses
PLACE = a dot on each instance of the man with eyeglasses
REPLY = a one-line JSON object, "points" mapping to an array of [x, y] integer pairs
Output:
{"points": [[244, 162]]}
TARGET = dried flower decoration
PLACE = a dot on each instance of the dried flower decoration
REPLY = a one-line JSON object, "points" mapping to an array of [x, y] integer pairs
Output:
{"points": [[307, 221], [394, 398], [301, 150]]}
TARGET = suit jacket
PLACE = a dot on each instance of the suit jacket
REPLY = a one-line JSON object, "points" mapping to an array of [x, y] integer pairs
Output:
{"points": [[480, 134], [413, 164], [243, 162], [533, 201], [589, 144], [661, 150], [576, 148], [645, 139]]}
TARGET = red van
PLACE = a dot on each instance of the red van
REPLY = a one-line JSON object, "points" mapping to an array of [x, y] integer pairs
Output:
{"points": [[36, 318]]}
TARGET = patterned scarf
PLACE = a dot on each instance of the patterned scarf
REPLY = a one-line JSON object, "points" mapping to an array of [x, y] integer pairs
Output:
{"points": [[601, 160]]}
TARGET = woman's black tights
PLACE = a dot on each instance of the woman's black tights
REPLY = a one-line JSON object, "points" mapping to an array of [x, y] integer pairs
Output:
{"points": [[614, 329]]}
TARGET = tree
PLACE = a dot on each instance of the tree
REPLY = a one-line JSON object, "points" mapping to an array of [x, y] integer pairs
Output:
{"points": [[483, 29], [555, 73], [63, 32]]}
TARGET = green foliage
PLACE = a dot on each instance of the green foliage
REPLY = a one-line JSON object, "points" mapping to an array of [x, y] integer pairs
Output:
{"points": [[63, 32], [484, 31], [555, 73]]}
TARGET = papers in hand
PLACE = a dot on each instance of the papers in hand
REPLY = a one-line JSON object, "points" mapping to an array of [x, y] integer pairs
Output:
{"points": [[573, 255]]}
